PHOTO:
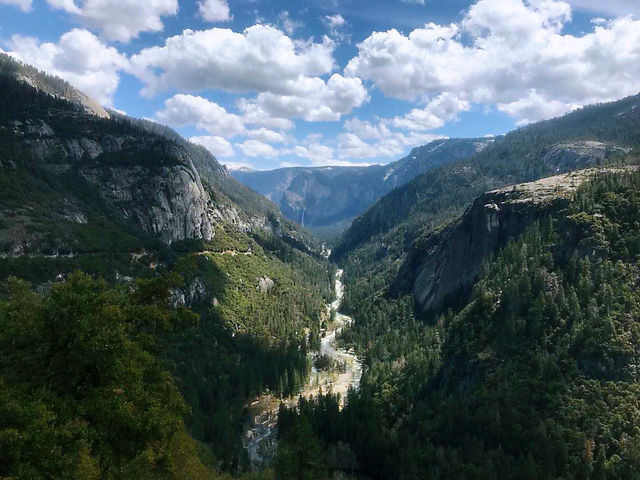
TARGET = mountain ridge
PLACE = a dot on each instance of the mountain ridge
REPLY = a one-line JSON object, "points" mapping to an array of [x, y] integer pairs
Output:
{"points": [[326, 197], [522, 155]]}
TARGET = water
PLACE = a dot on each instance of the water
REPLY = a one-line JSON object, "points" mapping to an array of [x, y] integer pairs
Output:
{"points": [[259, 437]]}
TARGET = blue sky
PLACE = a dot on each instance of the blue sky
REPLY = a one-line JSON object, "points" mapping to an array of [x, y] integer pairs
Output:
{"points": [[265, 83]]}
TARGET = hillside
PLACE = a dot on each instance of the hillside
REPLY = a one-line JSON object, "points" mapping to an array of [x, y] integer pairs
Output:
{"points": [[444, 264], [532, 376], [161, 227], [535, 151], [499, 327], [326, 199]]}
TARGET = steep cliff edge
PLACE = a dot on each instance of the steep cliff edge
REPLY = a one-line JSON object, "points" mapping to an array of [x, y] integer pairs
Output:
{"points": [[445, 263], [56, 143]]}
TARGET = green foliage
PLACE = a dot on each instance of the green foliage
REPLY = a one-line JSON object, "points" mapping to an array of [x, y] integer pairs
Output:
{"points": [[299, 454], [536, 377], [260, 337], [84, 393]]}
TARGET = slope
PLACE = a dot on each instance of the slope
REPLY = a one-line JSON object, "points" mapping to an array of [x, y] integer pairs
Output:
{"points": [[526, 154], [123, 200], [534, 376]]}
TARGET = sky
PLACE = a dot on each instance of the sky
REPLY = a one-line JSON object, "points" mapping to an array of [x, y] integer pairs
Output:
{"points": [[271, 83]]}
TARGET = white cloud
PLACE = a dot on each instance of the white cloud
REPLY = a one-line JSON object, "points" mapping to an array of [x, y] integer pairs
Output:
{"points": [[319, 154], [335, 21], [266, 135], [182, 110], [534, 107], [313, 99], [443, 108], [368, 130], [507, 53], [79, 57], [220, 147], [381, 140], [286, 74], [609, 7], [214, 10], [352, 146], [260, 59], [24, 5], [255, 148], [335, 24], [288, 24], [254, 114], [119, 20]]}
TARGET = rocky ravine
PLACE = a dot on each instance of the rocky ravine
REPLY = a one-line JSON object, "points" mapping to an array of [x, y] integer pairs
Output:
{"points": [[446, 263], [259, 437]]}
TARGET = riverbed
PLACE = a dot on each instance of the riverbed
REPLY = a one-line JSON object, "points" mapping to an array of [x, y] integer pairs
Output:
{"points": [[259, 437]]}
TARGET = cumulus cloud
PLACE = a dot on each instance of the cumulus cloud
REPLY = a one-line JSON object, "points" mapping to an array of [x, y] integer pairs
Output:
{"points": [[368, 130], [79, 57], [183, 110], [286, 74], [317, 153], [254, 114], [443, 108], [313, 99], [508, 53], [266, 135], [220, 147], [262, 58], [24, 5], [364, 139], [255, 148], [214, 10], [119, 20]]}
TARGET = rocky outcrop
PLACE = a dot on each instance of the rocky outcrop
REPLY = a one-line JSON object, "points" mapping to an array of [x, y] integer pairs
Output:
{"points": [[194, 292], [584, 154], [51, 85], [265, 284], [444, 265], [168, 202]]}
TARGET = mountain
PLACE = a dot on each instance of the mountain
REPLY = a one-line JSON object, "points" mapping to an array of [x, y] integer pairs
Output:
{"points": [[494, 305], [326, 199], [163, 231], [533, 374], [589, 136], [443, 265]]}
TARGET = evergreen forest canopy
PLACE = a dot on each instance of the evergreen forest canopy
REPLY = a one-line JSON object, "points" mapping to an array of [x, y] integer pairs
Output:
{"points": [[122, 356]]}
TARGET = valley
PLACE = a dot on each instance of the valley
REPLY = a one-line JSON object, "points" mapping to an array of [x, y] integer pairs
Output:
{"points": [[479, 318], [341, 373]]}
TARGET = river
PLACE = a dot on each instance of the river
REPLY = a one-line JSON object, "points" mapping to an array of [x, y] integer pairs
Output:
{"points": [[259, 437]]}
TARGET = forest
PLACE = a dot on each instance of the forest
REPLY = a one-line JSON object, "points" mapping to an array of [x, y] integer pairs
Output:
{"points": [[123, 356], [534, 378]]}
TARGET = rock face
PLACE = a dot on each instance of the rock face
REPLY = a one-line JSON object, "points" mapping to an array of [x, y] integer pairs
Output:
{"points": [[265, 284], [570, 156], [163, 196], [446, 263], [168, 202]]}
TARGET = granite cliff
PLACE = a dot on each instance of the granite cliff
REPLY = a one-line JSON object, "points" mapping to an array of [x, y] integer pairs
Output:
{"points": [[443, 265]]}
